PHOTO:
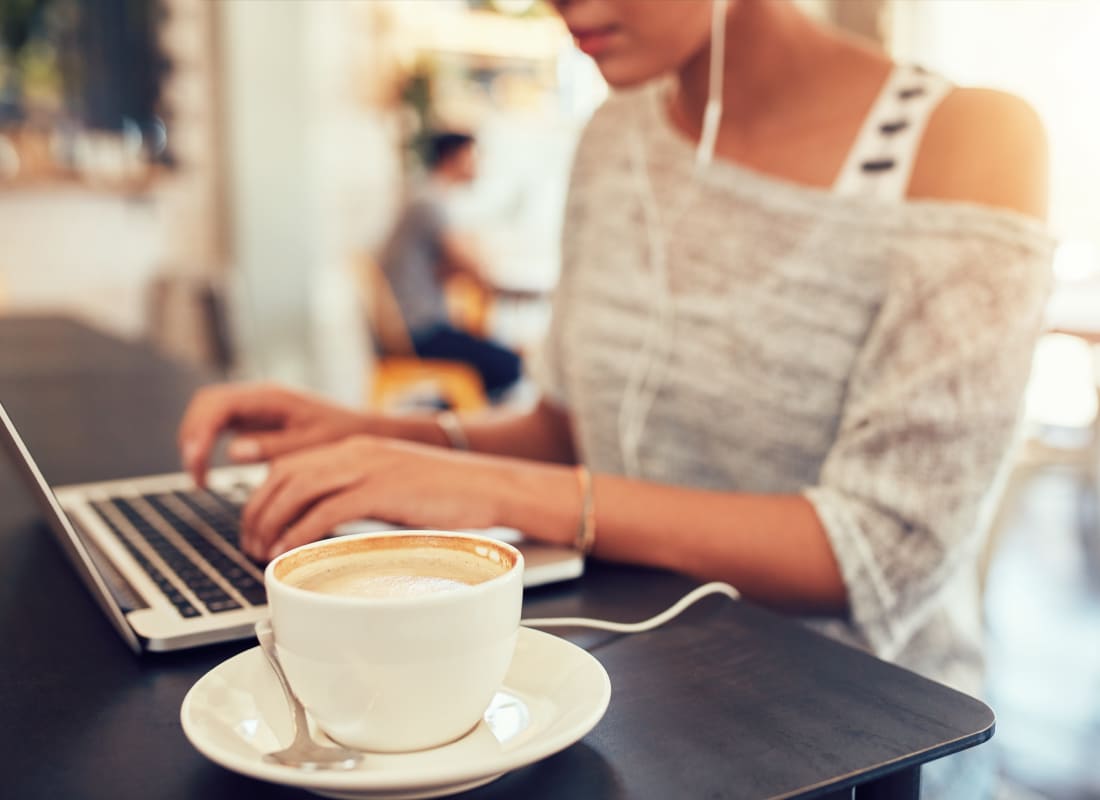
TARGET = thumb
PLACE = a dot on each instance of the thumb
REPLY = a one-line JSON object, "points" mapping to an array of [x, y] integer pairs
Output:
{"points": [[268, 445]]}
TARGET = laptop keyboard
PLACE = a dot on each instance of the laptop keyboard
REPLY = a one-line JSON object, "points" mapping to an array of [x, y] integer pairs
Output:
{"points": [[187, 543]]}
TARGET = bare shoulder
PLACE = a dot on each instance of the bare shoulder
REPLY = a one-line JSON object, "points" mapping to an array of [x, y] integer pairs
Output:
{"points": [[987, 147]]}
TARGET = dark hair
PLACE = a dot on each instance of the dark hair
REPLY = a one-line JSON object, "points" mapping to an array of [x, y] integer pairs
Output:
{"points": [[446, 144]]}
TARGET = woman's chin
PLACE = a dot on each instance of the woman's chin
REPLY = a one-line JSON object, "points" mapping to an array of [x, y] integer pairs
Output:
{"points": [[623, 73]]}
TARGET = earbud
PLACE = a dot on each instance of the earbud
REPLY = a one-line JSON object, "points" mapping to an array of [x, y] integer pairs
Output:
{"points": [[712, 115]]}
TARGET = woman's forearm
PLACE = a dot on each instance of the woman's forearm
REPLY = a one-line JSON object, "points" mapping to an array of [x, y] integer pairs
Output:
{"points": [[541, 434], [773, 548]]}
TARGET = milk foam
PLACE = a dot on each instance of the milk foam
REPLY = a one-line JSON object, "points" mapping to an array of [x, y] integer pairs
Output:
{"points": [[385, 573], [358, 585]]}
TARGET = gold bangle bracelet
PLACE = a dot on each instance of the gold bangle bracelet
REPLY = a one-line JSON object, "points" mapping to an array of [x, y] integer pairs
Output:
{"points": [[586, 531], [449, 423]]}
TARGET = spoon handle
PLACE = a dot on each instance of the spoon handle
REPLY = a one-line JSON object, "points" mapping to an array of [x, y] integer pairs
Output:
{"points": [[266, 637]]}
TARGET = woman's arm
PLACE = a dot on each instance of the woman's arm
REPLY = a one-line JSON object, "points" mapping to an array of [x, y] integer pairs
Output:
{"points": [[267, 421], [771, 547], [542, 434]]}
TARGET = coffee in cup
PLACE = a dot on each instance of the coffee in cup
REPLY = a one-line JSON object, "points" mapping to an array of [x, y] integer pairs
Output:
{"points": [[396, 641], [396, 572]]}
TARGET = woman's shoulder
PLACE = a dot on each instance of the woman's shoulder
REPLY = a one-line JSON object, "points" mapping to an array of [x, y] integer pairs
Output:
{"points": [[984, 147]]}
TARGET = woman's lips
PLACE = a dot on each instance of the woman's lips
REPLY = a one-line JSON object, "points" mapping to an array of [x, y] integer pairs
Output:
{"points": [[594, 40]]}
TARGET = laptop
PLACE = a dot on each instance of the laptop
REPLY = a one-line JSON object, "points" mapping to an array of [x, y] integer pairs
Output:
{"points": [[160, 555]]}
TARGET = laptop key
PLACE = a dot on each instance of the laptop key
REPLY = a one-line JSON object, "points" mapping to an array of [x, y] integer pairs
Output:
{"points": [[181, 604], [256, 595], [222, 518], [227, 604], [196, 579], [233, 572], [206, 590]]}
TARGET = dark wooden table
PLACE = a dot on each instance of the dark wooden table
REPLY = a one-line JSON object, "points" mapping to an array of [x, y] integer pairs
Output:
{"points": [[729, 700]]}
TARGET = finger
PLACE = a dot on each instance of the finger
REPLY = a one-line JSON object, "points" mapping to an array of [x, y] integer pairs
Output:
{"points": [[245, 406], [316, 523], [269, 445], [256, 502], [201, 423], [293, 499], [215, 408]]}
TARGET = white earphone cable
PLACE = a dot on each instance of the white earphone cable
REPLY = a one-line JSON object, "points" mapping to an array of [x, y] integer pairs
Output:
{"points": [[673, 611], [635, 404], [646, 373]]}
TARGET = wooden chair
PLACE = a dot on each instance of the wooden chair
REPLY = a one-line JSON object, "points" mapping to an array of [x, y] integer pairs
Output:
{"points": [[398, 372], [469, 304]]}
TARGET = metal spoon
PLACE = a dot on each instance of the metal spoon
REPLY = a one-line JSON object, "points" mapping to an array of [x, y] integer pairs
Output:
{"points": [[303, 752]]}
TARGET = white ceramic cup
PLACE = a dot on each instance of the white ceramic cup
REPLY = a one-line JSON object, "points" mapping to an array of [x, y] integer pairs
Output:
{"points": [[397, 673]]}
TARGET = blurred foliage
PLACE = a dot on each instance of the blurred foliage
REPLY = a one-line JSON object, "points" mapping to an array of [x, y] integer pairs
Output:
{"points": [[416, 96], [17, 21], [93, 63], [43, 85]]}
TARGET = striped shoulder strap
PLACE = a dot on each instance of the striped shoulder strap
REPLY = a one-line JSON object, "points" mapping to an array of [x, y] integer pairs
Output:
{"points": [[881, 160]]}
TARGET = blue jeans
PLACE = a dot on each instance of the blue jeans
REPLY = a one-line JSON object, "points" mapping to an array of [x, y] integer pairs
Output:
{"points": [[498, 366]]}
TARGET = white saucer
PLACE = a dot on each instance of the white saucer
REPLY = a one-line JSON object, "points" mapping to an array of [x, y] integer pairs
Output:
{"points": [[553, 694]]}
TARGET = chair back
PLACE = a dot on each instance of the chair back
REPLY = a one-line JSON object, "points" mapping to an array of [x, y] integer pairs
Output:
{"points": [[387, 328]]}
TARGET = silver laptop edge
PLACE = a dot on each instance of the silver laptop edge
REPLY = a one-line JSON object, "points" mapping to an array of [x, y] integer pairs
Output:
{"points": [[63, 529], [157, 623]]}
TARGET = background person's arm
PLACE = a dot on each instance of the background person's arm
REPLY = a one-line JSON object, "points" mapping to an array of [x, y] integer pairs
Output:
{"points": [[461, 256]]}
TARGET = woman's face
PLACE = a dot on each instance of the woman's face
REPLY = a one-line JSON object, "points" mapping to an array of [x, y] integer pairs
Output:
{"points": [[633, 41]]}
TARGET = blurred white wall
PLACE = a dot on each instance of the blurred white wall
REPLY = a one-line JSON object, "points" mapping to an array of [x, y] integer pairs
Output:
{"points": [[75, 251], [269, 203], [313, 178]]}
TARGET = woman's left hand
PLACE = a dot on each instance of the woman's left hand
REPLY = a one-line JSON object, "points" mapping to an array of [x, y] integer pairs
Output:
{"points": [[310, 492]]}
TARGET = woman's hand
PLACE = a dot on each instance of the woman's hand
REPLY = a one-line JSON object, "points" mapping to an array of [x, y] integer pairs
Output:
{"points": [[309, 493], [266, 420]]}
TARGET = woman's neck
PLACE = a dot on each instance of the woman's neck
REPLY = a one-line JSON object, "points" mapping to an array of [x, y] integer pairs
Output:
{"points": [[772, 64]]}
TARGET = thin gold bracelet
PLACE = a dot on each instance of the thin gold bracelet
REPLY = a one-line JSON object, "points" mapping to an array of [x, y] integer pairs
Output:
{"points": [[449, 423], [586, 531]]}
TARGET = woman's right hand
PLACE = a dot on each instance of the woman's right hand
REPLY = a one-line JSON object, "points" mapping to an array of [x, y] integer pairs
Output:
{"points": [[265, 420]]}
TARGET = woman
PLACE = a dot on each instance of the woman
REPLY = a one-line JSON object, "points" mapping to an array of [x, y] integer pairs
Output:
{"points": [[794, 366]]}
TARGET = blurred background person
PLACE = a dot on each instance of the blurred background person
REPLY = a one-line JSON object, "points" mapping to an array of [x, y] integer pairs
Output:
{"points": [[425, 249]]}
